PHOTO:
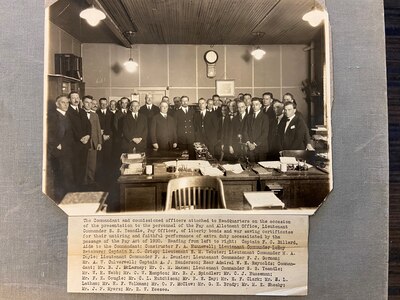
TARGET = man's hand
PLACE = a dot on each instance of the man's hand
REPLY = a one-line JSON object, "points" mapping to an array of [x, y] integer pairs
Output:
{"points": [[252, 146], [231, 150], [98, 148], [137, 140], [59, 147], [85, 139], [174, 145], [155, 146]]}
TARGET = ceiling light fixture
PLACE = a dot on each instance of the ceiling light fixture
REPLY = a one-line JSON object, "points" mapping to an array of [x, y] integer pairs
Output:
{"points": [[92, 15], [314, 17], [258, 53], [131, 65]]}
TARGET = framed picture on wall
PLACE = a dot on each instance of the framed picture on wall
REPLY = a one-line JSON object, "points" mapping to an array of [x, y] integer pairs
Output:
{"points": [[225, 88]]}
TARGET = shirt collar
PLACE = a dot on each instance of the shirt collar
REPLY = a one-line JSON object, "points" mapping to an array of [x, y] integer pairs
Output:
{"points": [[61, 111]]}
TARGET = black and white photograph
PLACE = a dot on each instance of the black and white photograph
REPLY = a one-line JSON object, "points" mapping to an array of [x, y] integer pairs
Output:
{"points": [[147, 102], [200, 148]]}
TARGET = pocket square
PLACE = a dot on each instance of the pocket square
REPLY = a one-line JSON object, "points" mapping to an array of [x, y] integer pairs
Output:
{"points": [[293, 127]]}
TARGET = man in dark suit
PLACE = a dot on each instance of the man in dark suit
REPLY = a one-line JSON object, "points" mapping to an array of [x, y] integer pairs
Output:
{"points": [[81, 134], [295, 132], [104, 157], [256, 132], [224, 133], [60, 149], [176, 107], [276, 129], [238, 123], [206, 126], [268, 99], [288, 97], [217, 103], [163, 130], [149, 110], [184, 126], [134, 130], [117, 137], [94, 142], [247, 101]]}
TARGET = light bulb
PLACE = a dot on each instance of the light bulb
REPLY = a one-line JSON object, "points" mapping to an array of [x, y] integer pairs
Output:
{"points": [[131, 66], [258, 53], [314, 17], [92, 15]]}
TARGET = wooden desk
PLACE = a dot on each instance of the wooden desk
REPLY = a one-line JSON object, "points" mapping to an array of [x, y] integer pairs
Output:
{"points": [[147, 193], [300, 189]]}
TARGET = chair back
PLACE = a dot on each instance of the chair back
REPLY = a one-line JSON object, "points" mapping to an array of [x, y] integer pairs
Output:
{"points": [[195, 192]]}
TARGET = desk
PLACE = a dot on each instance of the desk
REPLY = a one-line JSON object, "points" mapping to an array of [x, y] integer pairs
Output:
{"points": [[147, 193], [300, 189]]}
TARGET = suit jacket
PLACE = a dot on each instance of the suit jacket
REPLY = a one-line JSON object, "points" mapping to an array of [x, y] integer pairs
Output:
{"points": [[118, 120], [295, 137], [256, 130], [163, 132], [106, 121], [185, 126], [251, 111], [59, 133], [131, 129], [275, 136], [149, 114], [95, 136], [237, 126], [225, 130], [79, 124], [206, 129], [269, 112]]}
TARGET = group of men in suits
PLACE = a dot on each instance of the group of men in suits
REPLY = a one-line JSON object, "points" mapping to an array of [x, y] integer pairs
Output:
{"points": [[74, 139], [86, 138]]}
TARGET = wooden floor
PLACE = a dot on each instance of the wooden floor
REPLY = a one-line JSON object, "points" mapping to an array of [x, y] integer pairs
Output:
{"points": [[392, 24]]}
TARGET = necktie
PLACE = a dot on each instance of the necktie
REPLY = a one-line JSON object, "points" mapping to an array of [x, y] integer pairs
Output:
{"points": [[148, 107]]}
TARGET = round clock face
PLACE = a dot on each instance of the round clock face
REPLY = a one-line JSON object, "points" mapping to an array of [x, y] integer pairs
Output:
{"points": [[211, 57]]}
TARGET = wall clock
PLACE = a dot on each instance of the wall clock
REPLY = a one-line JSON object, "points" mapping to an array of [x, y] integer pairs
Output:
{"points": [[211, 57]]}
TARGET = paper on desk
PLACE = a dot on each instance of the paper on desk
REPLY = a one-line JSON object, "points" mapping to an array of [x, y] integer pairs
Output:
{"points": [[270, 164], [236, 168], [288, 160], [188, 164], [263, 200], [80, 209], [211, 171]]}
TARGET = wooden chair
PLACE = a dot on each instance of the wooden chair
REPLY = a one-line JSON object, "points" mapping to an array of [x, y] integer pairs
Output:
{"points": [[195, 192]]}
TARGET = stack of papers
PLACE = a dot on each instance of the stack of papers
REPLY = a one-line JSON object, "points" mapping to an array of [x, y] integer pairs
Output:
{"points": [[236, 168], [211, 171], [263, 200], [188, 164], [288, 160]]}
